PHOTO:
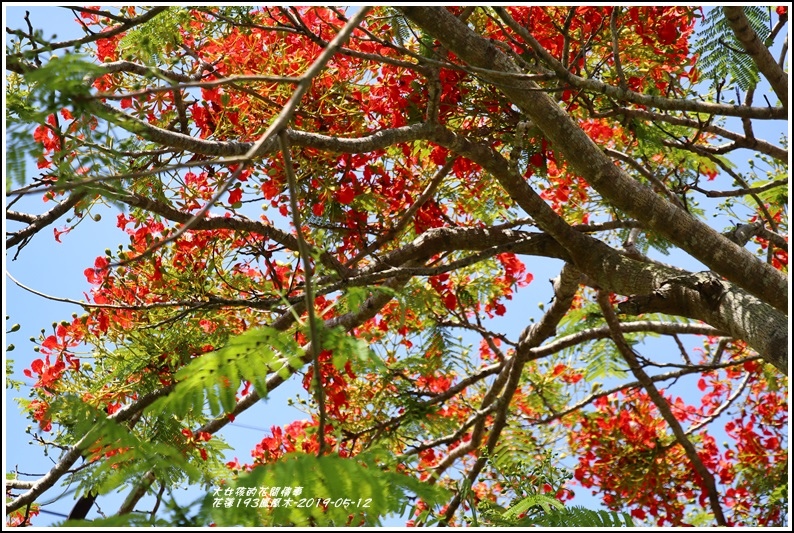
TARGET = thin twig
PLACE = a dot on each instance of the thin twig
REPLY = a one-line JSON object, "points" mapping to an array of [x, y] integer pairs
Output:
{"points": [[740, 192], [196, 84], [719, 410], [308, 290], [613, 26]]}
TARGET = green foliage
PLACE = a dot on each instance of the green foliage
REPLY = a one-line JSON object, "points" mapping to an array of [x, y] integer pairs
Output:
{"points": [[215, 377], [722, 55], [400, 31], [30, 98], [600, 358], [175, 516], [577, 516], [22, 147], [602, 361], [546, 511], [156, 40], [525, 467], [499, 516], [549, 512], [530, 472], [775, 196], [10, 382], [336, 491], [346, 347], [63, 81], [128, 455]]}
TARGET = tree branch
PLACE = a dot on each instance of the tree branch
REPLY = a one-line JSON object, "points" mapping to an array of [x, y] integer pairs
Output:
{"points": [[739, 141], [759, 53], [619, 94], [587, 159], [308, 292], [662, 405], [695, 369], [37, 223]]}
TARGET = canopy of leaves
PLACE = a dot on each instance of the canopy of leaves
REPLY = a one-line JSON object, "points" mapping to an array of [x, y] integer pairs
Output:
{"points": [[361, 206]]}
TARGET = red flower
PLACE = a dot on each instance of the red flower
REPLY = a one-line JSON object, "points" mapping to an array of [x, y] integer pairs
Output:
{"points": [[48, 373], [107, 48], [59, 232], [450, 301], [345, 195], [235, 195], [96, 275]]}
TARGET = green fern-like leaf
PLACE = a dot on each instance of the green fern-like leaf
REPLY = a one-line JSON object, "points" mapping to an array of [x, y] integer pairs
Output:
{"points": [[400, 31], [722, 56], [153, 40], [551, 513], [109, 444], [549, 504], [334, 491], [603, 361], [61, 82], [215, 377], [510, 456], [581, 517]]}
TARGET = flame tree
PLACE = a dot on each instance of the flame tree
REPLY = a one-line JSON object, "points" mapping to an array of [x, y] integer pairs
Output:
{"points": [[350, 200]]}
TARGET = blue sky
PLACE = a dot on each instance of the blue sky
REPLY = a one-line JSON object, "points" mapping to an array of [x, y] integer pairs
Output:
{"points": [[57, 270]]}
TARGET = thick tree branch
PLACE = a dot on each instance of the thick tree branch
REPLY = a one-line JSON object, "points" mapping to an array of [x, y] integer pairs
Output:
{"points": [[662, 328], [37, 223], [766, 64], [589, 161], [725, 307]]}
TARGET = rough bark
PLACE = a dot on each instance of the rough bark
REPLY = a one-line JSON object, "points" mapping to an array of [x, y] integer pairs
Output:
{"points": [[766, 64], [589, 161]]}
